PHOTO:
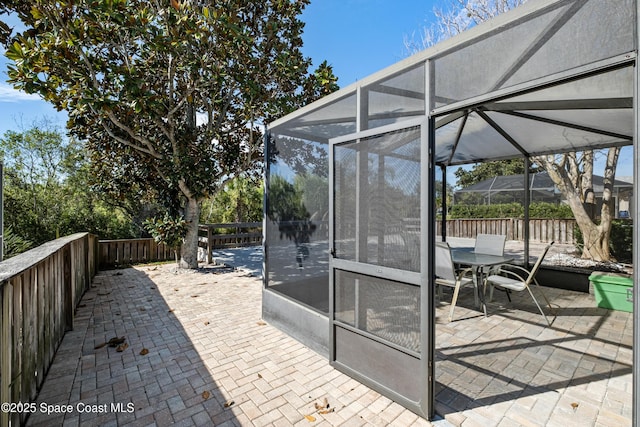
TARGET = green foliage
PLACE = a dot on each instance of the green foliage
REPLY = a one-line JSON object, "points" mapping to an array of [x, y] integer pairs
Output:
{"points": [[320, 83], [550, 210], [134, 76], [315, 195], [507, 210], [620, 240], [511, 210], [14, 244], [168, 95], [167, 230], [286, 207], [482, 171], [239, 201], [46, 192]]}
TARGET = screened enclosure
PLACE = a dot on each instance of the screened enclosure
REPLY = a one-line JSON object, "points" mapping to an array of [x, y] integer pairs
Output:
{"points": [[541, 188], [349, 206]]}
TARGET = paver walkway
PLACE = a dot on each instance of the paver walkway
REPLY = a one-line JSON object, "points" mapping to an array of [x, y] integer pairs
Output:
{"points": [[197, 353], [212, 361]]}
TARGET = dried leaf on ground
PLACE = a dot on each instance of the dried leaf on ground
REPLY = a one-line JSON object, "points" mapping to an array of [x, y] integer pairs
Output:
{"points": [[144, 352], [207, 322], [194, 296], [575, 405], [261, 323], [122, 347], [228, 403], [310, 418], [323, 405], [111, 343], [171, 310], [206, 395], [326, 411], [259, 376]]}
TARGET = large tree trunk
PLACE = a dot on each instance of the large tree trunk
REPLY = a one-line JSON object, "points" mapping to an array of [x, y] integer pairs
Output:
{"points": [[189, 250], [576, 185]]}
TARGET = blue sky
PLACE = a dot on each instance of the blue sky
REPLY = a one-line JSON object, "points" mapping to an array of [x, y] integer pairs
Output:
{"points": [[357, 37]]}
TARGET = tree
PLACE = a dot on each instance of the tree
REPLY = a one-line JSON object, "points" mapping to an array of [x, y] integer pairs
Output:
{"points": [[571, 172], [458, 16], [167, 94], [241, 201], [46, 191], [487, 170]]}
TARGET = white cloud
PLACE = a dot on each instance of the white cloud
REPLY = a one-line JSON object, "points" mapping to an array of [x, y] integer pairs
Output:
{"points": [[9, 94]]}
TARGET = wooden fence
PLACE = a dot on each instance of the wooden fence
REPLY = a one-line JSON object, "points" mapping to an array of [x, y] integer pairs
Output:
{"points": [[115, 253], [39, 292], [243, 234], [540, 230]]}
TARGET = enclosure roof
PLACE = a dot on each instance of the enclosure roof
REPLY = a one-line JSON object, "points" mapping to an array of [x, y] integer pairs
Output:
{"points": [[537, 182], [550, 76]]}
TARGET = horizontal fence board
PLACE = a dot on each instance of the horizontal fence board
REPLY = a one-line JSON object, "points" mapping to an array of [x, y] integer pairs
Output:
{"points": [[114, 253], [131, 251], [540, 230]]}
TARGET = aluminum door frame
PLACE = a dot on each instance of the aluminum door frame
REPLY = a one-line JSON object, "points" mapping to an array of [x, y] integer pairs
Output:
{"points": [[424, 405]]}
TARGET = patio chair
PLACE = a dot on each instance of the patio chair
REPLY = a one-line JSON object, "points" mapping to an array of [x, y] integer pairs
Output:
{"points": [[446, 274], [515, 278], [490, 244]]}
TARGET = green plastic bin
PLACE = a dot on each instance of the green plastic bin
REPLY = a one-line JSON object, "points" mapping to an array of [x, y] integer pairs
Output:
{"points": [[613, 291]]}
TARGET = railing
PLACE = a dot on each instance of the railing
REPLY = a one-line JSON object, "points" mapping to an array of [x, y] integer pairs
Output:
{"points": [[39, 291], [540, 230], [131, 251], [113, 253], [244, 234]]}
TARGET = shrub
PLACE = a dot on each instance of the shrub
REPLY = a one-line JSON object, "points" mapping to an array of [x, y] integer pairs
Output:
{"points": [[511, 210]]}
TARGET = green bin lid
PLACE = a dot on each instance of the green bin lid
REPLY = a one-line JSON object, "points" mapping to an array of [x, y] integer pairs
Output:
{"points": [[614, 278]]}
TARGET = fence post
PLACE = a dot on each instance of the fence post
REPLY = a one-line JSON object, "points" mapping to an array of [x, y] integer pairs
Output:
{"points": [[209, 245], [67, 287], [6, 354]]}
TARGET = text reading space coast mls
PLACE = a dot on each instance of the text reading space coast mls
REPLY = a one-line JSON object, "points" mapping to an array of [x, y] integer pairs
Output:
{"points": [[79, 407]]}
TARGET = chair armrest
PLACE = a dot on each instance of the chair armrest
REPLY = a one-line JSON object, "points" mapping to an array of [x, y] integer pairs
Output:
{"points": [[464, 272], [510, 273]]}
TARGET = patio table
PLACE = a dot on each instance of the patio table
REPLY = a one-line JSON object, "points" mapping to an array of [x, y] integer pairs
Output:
{"points": [[477, 261]]}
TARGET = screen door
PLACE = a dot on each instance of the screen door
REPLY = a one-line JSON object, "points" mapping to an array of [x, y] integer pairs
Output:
{"points": [[376, 269]]}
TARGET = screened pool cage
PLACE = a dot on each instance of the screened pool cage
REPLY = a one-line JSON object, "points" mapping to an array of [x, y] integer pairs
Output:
{"points": [[512, 189], [350, 212]]}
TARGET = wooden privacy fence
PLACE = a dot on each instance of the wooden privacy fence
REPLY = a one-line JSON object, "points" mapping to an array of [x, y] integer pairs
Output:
{"points": [[540, 230], [114, 253], [39, 292], [215, 236]]}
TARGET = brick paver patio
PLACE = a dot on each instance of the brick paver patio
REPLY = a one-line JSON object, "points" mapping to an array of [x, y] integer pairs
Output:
{"points": [[211, 360], [198, 353]]}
